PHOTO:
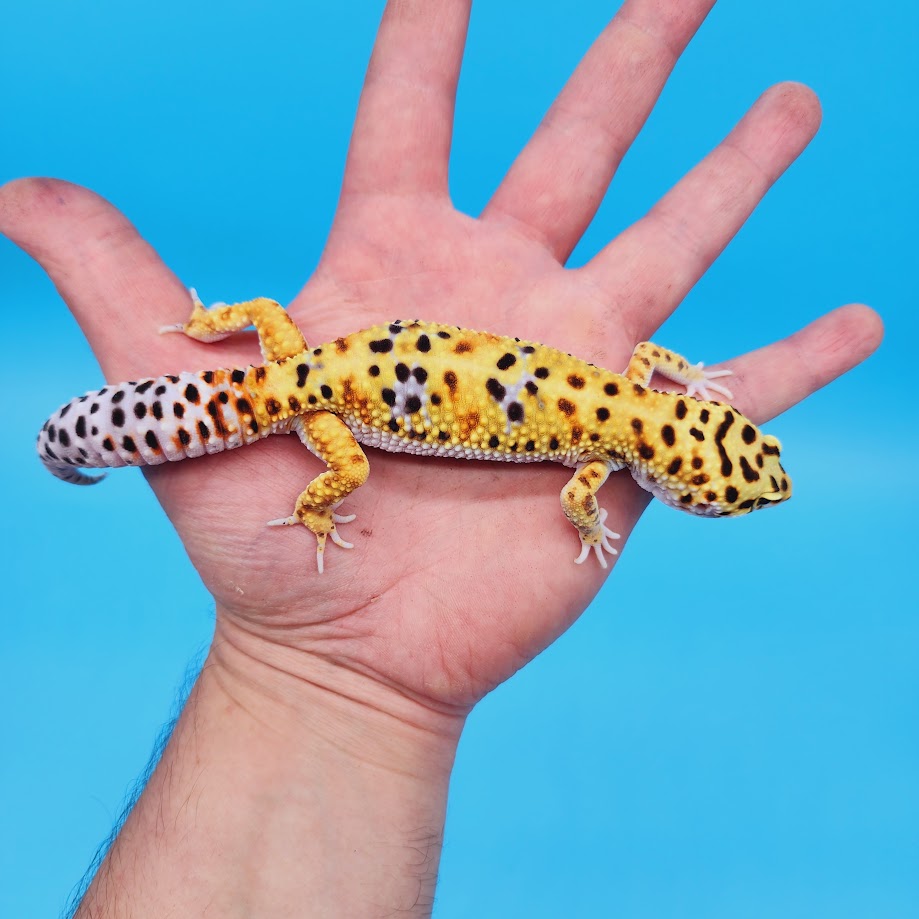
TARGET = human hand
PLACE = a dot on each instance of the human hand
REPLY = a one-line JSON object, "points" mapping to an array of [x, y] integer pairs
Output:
{"points": [[462, 571]]}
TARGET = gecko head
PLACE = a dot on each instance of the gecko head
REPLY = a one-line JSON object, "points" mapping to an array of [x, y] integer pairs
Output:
{"points": [[756, 478], [731, 468]]}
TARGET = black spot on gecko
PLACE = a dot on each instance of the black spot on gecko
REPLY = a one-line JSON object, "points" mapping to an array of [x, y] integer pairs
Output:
{"points": [[141, 388], [435, 399], [402, 373], [151, 441], [223, 397], [108, 444], [531, 387], [273, 407], [94, 408], [746, 505], [637, 425], [52, 433], [159, 391], [695, 432], [769, 450], [341, 346], [602, 414], [294, 403], [493, 441], [204, 431], [565, 407], [373, 370], [553, 444], [668, 435], [731, 494], [674, 466], [749, 473], [611, 389], [442, 435], [129, 445], [117, 397], [541, 372], [64, 438], [530, 446], [646, 451], [685, 499], [325, 390], [462, 347], [443, 334], [184, 437], [80, 427], [191, 394], [506, 361], [395, 328], [389, 397], [238, 376], [423, 343], [495, 389], [242, 406], [727, 467], [208, 376], [515, 411], [318, 351], [527, 349], [681, 409], [639, 390], [575, 382], [699, 479], [748, 433], [140, 409], [381, 346], [303, 371], [311, 399], [413, 404], [178, 409], [450, 380], [393, 425], [118, 417], [420, 374], [697, 462], [260, 374]]}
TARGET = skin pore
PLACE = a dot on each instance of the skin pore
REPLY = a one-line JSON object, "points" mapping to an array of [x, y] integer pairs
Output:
{"points": [[309, 770]]}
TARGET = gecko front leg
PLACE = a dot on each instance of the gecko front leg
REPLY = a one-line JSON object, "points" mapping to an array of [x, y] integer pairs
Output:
{"points": [[328, 437], [579, 502], [649, 357]]}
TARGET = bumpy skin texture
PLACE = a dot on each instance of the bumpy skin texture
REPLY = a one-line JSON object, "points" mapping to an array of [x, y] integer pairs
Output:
{"points": [[423, 388]]}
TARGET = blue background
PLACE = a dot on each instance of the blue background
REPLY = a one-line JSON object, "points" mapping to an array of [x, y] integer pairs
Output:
{"points": [[751, 749]]}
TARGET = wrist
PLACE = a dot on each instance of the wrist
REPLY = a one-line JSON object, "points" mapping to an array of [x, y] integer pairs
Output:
{"points": [[288, 778]]}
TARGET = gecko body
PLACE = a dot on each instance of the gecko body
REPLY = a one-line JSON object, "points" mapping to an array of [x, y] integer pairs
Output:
{"points": [[431, 389]]}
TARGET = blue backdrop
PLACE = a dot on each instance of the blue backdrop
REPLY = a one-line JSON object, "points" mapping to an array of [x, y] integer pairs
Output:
{"points": [[706, 759]]}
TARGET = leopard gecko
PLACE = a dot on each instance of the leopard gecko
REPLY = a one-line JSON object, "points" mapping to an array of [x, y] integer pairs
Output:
{"points": [[438, 390]]}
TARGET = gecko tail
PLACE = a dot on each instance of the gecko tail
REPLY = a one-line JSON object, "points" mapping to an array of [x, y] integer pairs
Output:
{"points": [[149, 422]]}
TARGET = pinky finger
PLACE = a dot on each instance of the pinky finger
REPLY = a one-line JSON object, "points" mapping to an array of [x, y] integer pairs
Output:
{"points": [[771, 380]]}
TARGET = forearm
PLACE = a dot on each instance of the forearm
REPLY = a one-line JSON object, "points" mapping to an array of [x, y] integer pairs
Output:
{"points": [[278, 795]]}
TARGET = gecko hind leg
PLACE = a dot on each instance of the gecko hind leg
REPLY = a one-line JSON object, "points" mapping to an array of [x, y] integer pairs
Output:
{"points": [[648, 358], [278, 336], [328, 437], [579, 502]]}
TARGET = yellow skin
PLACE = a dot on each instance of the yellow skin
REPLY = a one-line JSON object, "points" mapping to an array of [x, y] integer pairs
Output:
{"points": [[432, 389]]}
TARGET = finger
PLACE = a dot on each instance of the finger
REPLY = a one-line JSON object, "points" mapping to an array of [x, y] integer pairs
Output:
{"points": [[404, 123], [769, 381], [658, 259], [556, 184], [116, 285]]}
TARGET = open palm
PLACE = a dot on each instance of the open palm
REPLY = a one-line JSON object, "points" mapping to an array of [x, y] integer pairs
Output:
{"points": [[461, 572]]}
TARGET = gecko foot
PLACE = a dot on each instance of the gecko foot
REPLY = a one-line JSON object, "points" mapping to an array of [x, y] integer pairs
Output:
{"points": [[322, 524], [699, 388], [598, 540]]}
